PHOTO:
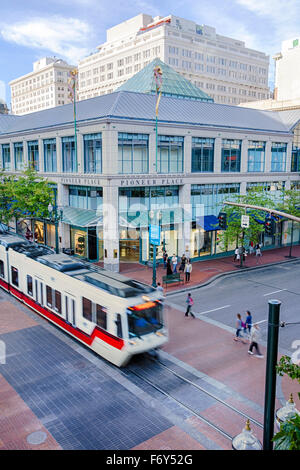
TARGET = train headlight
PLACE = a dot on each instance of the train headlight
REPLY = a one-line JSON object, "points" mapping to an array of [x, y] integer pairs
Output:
{"points": [[159, 333], [131, 342], [146, 298]]}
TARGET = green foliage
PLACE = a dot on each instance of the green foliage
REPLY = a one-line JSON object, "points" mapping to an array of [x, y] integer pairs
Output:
{"points": [[286, 366], [288, 438], [234, 231], [290, 202], [27, 196]]}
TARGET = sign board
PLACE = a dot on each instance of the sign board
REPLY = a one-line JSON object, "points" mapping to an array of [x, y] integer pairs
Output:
{"points": [[154, 234], [245, 221]]}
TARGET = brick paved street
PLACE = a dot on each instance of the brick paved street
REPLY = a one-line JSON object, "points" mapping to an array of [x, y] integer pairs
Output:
{"points": [[52, 385]]}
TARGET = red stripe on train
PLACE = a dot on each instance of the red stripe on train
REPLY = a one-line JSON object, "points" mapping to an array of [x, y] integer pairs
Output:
{"points": [[114, 341]]}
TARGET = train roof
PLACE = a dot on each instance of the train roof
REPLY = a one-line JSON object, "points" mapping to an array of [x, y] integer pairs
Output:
{"points": [[114, 283]]}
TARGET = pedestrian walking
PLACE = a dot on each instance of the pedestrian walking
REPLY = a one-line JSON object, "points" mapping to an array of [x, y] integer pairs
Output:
{"points": [[159, 288], [248, 322], [236, 253], [258, 253], [238, 325], [182, 263], [187, 270], [254, 338], [165, 258], [190, 303], [169, 267], [251, 248], [174, 263]]}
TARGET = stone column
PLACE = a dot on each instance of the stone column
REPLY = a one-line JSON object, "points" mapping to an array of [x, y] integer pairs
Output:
{"points": [[268, 156], [12, 157], [217, 155], [59, 155], [184, 228], [25, 154], [111, 227], [80, 153], [244, 156], [109, 151], [288, 157], [187, 159], [41, 155]]}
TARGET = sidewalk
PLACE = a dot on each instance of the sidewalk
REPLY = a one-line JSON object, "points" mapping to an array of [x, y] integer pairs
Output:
{"points": [[206, 271]]}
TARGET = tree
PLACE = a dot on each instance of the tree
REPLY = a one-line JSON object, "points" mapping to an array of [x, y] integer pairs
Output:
{"points": [[27, 196], [234, 232], [288, 438]]}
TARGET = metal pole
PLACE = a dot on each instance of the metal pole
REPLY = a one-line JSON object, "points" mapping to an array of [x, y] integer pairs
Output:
{"points": [[270, 385], [290, 254], [56, 223], [154, 267], [156, 150]]}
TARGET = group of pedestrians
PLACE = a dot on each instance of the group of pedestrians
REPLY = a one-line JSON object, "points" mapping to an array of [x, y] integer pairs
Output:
{"points": [[251, 333], [253, 249], [171, 263]]}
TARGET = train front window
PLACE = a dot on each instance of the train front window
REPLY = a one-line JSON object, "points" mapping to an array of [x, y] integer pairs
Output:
{"points": [[144, 319]]}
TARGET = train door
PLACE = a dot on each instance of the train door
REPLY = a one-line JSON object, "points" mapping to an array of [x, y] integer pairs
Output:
{"points": [[70, 310], [39, 292]]}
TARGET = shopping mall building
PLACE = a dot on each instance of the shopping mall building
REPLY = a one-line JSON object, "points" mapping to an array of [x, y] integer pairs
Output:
{"points": [[123, 170]]}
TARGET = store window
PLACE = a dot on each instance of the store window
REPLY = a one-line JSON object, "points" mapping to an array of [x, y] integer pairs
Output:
{"points": [[92, 153], [18, 151], [6, 161], [33, 154], [207, 199], [278, 156], [50, 161], [256, 156], [69, 161], [202, 154], [170, 154], [133, 153], [39, 233], [231, 155], [79, 242]]}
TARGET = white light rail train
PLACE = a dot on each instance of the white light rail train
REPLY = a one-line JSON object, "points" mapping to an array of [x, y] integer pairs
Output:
{"points": [[114, 316]]}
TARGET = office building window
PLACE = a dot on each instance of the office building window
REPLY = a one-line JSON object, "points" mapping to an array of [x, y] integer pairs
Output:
{"points": [[207, 199], [256, 156], [133, 153], [69, 162], [18, 150], [6, 161], [85, 197], [92, 153], [295, 164], [170, 154], [278, 156], [50, 162], [231, 155], [33, 154], [202, 154]]}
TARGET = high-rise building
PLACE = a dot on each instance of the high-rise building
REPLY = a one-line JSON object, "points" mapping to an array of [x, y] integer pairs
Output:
{"points": [[45, 87], [3, 107], [287, 76], [222, 67]]}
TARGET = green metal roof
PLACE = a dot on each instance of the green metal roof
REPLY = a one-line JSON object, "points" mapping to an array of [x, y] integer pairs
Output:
{"points": [[173, 84]]}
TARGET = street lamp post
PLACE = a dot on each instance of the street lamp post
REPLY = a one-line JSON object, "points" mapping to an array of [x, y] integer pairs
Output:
{"points": [[55, 217]]}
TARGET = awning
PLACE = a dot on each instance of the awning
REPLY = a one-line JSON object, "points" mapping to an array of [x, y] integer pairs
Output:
{"points": [[208, 222], [81, 217]]}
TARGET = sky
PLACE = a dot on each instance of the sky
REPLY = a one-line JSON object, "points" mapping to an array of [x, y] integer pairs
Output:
{"points": [[72, 29]]}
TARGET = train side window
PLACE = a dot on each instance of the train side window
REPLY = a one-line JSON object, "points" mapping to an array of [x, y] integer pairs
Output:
{"points": [[57, 301], [87, 309], [119, 326], [1, 268], [49, 296], [29, 285], [15, 276], [101, 319]]}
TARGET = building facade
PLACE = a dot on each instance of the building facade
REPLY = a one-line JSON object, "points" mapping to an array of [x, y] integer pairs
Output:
{"points": [[43, 88], [124, 173], [222, 67], [287, 71]]}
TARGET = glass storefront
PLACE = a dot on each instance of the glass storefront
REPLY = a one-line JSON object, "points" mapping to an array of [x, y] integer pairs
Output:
{"points": [[79, 242], [39, 232]]}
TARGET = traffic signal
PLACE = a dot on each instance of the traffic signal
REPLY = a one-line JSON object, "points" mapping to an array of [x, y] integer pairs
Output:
{"points": [[222, 220], [151, 251], [269, 227]]}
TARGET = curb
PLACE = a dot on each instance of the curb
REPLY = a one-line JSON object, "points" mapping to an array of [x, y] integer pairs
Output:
{"points": [[230, 273]]}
